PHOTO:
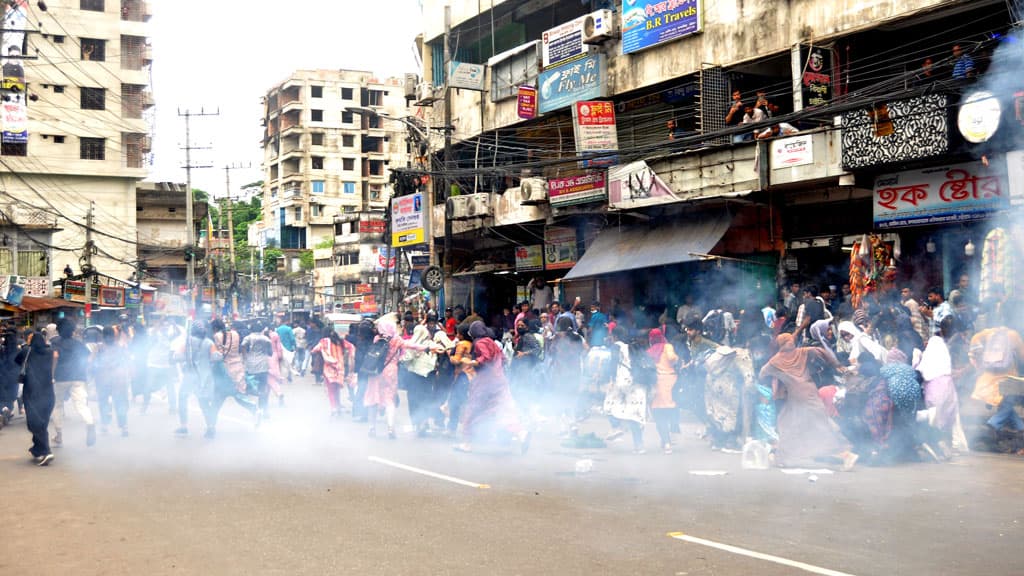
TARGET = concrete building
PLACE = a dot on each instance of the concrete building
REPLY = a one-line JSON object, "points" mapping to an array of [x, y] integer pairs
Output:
{"points": [[162, 232], [690, 182], [331, 138], [75, 131]]}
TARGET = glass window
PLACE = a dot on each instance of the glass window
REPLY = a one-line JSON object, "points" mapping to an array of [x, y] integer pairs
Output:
{"points": [[316, 91], [349, 187], [94, 49], [317, 186], [92, 148], [348, 140], [6, 261], [317, 139], [348, 164], [316, 115], [346, 93], [317, 162], [509, 74], [32, 263], [92, 5], [346, 117], [93, 98]]}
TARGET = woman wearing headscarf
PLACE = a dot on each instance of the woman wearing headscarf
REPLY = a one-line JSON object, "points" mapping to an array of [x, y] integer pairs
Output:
{"points": [[419, 385], [860, 342], [360, 337], [940, 398], [336, 366], [489, 406], [663, 406], [36, 361], [566, 351], [626, 400], [228, 344], [382, 388], [461, 356], [528, 353], [805, 431], [278, 366], [905, 394]]}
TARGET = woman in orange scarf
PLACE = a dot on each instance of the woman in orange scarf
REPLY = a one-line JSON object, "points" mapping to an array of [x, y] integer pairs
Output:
{"points": [[663, 407], [805, 432]]}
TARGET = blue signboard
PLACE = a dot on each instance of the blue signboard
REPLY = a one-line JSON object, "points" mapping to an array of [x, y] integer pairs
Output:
{"points": [[581, 79], [646, 24]]}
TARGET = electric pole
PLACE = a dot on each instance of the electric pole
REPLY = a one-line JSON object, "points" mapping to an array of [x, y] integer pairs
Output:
{"points": [[87, 268], [446, 181], [190, 278], [231, 234]]}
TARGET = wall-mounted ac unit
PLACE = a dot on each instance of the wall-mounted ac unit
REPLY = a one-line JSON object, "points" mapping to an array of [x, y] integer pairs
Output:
{"points": [[425, 94], [468, 206], [533, 191], [412, 81], [598, 27]]}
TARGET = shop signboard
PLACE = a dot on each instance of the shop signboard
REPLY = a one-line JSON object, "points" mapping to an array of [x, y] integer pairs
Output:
{"points": [[408, 220], [582, 79], [364, 289], [37, 286], [559, 248], [14, 119], [12, 289], [529, 258], [467, 76], [563, 43], [816, 75], [132, 297], [793, 151], [594, 127], [635, 185], [647, 24], [74, 290], [581, 189], [526, 103], [372, 226], [113, 296], [945, 194]]}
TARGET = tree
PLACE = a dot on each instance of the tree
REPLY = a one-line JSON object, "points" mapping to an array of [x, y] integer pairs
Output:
{"points": [[306, 261], [270, 258], [325, 243]]}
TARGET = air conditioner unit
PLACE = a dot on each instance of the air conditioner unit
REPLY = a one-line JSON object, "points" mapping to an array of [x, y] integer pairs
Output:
{"points": [[479, 205], [598, 27], [411, 83], [425, 94], [458, 208], [533, 191]]}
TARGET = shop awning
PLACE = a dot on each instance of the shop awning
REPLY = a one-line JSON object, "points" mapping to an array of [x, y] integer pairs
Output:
{"points": [[33, 304], [618, 249]]}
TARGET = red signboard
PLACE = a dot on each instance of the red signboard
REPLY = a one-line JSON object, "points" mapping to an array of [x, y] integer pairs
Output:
{"points": [[372, 226], [577, 189], [364, 289], [526, 105]]}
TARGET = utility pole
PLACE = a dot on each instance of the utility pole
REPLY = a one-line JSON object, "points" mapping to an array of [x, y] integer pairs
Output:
{"points": [[231, 235], [87, 268], [446, 181], [190, 236]]}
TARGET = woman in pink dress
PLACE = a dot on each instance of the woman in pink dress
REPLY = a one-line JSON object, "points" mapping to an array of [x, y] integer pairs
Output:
{"points": [[274, 377], [382, 389], [337, 355]]}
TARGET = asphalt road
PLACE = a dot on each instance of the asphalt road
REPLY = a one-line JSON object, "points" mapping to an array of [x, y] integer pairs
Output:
{"points": [[306, 495]]}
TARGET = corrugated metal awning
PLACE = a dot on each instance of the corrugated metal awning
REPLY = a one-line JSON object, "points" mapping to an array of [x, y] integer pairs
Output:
{"points": [[619, 249]]}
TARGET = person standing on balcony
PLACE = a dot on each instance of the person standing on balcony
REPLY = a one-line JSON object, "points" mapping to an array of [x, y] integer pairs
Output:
{"points": [[963, 65]]}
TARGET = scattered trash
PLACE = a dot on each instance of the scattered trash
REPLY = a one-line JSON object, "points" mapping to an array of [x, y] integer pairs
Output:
{"points": [[812, 478], [709, 472], [796, 471], [584, 466], [756, 455], [586, 441]]}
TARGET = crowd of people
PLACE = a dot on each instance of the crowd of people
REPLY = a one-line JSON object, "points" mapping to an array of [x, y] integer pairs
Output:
{"points": [[818, 376]]}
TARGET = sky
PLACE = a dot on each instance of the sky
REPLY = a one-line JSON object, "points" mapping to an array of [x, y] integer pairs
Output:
{"points": [[225, 54]]}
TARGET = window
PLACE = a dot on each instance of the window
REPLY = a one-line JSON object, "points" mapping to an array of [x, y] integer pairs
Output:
{"points": [[94, 49], [374, 121], [349, 187], [348, 164], [57, 39], [346, 93], [273, 192], [348, 141], [508, 74], [375, 98], [32, 263], [92, 148], [376, 168], [298, 213], [94, 5], [346, 117], [93, 98], [14, 149], [316, 91], [316, 115], [315, 210], [58, 89], [317, 162], [317, 186], [58, 139], [317, 139]]}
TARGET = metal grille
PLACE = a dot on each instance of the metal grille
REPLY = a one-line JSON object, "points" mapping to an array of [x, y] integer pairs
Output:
{"points": [[713, 101], [1016, 9]]}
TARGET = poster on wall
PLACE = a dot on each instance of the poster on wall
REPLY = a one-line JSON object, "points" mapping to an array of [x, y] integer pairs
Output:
{"points": [[582, 79], [408, 220], [559, 248], [940, 195], [526, 102], [563, 42], [37, 286], [529, 258], [816, 75], [14, 119], [647, 24], [594, 127]]}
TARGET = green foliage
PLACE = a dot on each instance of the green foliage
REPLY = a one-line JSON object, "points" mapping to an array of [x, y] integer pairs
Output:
{"points": [[270, 257], [325, 243], [306, 261]]}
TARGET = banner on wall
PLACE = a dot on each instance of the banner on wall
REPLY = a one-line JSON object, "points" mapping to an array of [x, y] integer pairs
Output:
{"points": [[816, 75], [940, 195], [582, 79], [559, 248], [529, 258], [594, 127], [647, 24], [577, 189]]}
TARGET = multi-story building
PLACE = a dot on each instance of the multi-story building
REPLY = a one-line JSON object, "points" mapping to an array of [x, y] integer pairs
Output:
{"points": [[75, 133], [867, 92], [331, 138]]}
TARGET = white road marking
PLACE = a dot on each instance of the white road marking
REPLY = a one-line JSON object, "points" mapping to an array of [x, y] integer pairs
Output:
{"points": [[413, 469], [758, 555]]}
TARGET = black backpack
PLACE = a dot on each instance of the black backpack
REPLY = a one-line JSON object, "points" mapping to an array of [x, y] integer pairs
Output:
{"points": [[376, 357]]}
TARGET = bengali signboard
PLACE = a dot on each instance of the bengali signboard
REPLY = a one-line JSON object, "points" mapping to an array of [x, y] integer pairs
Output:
{"points": [[792, 151], [945, 194], [563, 43], [577, 189], [559, 248], [74, 290], [582, 79], [635, 185], [529, 258], [408, 220], [594, 128], [646, 24], [526, 103], [816, 76], [14, 119], [467, 76]]}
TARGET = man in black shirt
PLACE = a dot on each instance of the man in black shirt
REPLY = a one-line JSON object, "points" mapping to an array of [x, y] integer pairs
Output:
{"points": [[70, 372], [813, 310]]}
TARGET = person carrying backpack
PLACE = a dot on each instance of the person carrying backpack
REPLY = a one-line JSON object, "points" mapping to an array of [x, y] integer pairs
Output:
{"points": [[996, 354]]}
